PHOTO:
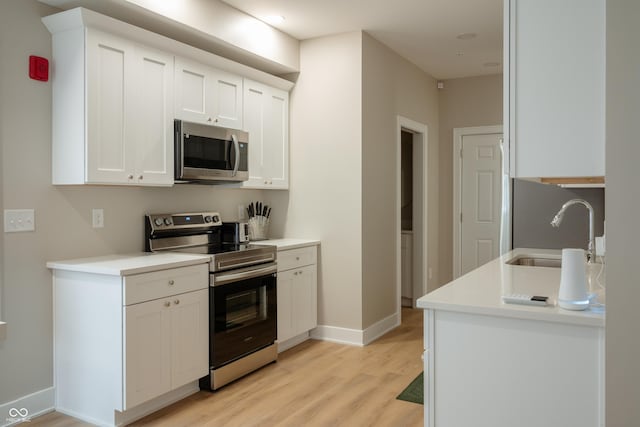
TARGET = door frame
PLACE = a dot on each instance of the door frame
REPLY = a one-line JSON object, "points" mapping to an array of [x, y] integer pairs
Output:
{"points": [[420, 188], [458, 134]]}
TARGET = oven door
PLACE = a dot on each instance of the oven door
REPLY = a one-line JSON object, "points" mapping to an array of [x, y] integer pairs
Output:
{"points": [[242, 312], [205, 152]]}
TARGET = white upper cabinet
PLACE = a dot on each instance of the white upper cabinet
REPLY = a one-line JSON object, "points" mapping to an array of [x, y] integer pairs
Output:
{"points": [[119, 130], [555, 90], [207, 95], [266, 118]]}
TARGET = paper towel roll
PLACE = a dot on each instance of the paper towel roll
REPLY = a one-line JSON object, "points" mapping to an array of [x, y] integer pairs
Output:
{"points": [[573, 293]]}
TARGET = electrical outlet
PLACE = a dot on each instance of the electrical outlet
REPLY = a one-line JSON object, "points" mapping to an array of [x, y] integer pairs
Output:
{"points": [[17, 220], [242, 213], [97, 218]]}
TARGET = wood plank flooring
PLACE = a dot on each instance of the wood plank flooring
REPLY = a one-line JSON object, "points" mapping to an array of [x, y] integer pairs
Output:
{"points": [[316, 383]]}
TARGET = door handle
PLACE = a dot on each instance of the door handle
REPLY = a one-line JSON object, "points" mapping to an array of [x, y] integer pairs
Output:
{"points": [[236, 147]]}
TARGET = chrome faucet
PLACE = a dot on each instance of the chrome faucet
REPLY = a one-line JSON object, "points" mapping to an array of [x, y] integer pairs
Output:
{"points": [[558, 219]]}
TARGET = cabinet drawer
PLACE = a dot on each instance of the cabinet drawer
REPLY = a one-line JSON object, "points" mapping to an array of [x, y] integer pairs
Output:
{"points": [[293, 258], [158, 284]]}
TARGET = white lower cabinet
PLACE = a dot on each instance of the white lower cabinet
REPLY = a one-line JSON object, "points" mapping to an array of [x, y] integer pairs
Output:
{"points": [[165, 344], [297, 295], [496, 371], [122, 341]]}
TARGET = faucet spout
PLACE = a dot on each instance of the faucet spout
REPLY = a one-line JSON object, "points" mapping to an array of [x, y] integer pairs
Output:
{"points": [[557, 219]]}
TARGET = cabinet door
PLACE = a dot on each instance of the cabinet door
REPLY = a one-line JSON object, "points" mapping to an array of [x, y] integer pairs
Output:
{"points": [[147, 351], [557, 78], [192, 91], [226, 98], [304, 299], [190, 337], [266, 118], [285, 305], [152, 94], [110, 70], [276, 139]]}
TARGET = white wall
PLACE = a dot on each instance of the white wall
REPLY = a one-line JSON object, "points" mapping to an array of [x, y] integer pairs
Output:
{"points": [[392, 86], [324, 200], [63, 214], [622, 206]]}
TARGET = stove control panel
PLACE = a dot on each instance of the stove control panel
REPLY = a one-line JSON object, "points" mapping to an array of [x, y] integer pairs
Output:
{"points": [[166, 222]]}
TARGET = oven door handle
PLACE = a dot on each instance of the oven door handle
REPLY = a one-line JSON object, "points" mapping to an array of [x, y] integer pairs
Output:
{"points": [[247, 273]]}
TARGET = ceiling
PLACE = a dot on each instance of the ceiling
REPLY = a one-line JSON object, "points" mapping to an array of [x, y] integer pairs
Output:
{"points": [[423, 31]]}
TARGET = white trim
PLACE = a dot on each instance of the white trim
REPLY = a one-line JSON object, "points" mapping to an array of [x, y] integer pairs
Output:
{"points": [[38, 403], [458, 134], [356, 337], [421, 136], [338, 335], [293, 341], [380, 328]]}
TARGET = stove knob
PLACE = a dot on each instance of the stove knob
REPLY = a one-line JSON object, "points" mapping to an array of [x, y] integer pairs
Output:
{"points": [[208, 219], [167, 221], [216, 218], [158, 221]]}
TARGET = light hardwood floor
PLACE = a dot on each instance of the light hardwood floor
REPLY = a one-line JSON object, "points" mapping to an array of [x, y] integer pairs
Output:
{"points": [[316, 383]]}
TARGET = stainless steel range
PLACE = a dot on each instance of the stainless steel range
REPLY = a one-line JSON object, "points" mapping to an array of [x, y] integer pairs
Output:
{"points": [[242, 292]]}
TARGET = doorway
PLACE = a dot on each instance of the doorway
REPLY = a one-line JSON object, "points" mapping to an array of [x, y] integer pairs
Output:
{"points": [[411, 212], [477, 196]]}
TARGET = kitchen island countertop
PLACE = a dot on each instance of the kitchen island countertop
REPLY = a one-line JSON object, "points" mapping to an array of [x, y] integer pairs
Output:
{"points": [[480, 291]]}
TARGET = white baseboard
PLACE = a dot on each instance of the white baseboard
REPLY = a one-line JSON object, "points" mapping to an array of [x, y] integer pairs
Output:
{"points": [[356, 336], [140, 411], [336, 334], [380, 328], [27, 407]]}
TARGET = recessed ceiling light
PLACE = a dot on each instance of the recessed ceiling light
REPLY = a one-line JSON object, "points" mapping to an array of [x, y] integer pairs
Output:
{"points": [[274, 19], [491, 64], [466, 36]]}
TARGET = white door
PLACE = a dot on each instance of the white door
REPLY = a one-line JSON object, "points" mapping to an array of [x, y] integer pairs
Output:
{"points": [[110, 156], [226, 97], [190, 337], [480, 199], [285, 305], [147, 352], [276, 139], [153, 98], [192, 91], [304, 299]]}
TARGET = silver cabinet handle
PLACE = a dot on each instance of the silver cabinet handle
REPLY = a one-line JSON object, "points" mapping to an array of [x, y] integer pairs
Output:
{"points": [[236, 146], [295, 273], [140, 177], [176, 302], [216, 120], [297, 258], [171, 282], [167, 304], [209, 119], [130, 177]]}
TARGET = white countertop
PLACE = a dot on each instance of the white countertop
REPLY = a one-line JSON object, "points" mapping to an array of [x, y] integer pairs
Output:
{"points": [[288, 243], [480, 291], [124, 265]]}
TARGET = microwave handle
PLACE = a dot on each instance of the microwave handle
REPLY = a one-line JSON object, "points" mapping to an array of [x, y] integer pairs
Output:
{"points": [[236, 147]]}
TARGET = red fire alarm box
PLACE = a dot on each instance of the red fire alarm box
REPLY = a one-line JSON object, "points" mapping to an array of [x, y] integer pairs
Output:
{"points": [[39, 68]]}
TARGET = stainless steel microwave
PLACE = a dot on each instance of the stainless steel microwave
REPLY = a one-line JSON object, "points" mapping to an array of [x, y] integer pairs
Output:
{"points": [[210, 154]]}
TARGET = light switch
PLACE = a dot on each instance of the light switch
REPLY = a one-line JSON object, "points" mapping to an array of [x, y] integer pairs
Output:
{"points": [[17, 220]]}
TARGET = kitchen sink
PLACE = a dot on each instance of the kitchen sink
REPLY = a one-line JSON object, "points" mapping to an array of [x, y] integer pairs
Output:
{"points": [[534, 261]]}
